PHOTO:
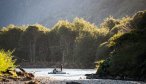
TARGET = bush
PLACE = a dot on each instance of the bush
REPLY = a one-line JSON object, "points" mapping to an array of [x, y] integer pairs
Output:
{"points": [[6, 61], [103, 68]]}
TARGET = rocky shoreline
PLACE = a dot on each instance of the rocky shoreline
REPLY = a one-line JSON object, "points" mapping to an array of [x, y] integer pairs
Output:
{"points": [[95, 76], [86, 81], [17, 77], [24, 77], [48, 80]]}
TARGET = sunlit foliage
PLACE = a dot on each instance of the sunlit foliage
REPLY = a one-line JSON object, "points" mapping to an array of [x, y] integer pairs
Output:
{"points": [[6, 61], [126, 56], [73, 44], [110, 22]]}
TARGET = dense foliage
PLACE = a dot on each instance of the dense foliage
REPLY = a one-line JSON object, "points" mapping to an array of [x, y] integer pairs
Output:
{"points": [[6, 61], [126, 55], [73, 44]]}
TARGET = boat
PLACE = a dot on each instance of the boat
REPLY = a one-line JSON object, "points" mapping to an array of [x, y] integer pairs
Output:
{"points": [[55, 71]]}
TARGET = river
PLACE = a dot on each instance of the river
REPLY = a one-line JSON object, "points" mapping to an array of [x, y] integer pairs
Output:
{"points": [[73, 74]]}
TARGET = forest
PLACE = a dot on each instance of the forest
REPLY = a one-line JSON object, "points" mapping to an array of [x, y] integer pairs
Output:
{"points": [[116, 46], [73, 44]]}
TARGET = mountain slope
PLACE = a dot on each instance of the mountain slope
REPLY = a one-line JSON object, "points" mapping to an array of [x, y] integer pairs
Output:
{"points": [[48, 12]]}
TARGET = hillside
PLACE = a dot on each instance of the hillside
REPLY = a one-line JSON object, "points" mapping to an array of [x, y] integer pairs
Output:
{"points": [[48, 12], [123, 53]]}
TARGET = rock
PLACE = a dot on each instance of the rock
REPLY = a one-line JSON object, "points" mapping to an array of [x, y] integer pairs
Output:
{"points": [[5, 80], [92, 76], [24, 75], [21, 69], [32, 82], [20, 73], [31, 75], [14, 78]]}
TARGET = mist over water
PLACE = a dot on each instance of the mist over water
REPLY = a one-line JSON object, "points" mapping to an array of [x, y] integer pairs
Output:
{"points": [[48, 12]]}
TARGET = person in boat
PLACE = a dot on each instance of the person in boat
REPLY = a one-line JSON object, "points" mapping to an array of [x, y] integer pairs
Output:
{"points": [[55, 71], [61, 67]]}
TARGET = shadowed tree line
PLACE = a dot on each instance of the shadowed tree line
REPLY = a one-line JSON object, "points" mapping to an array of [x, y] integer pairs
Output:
{"points": [[73, 44]]}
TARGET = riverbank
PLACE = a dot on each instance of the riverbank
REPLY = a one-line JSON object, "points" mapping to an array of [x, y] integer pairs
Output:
{"points": [[44, 80], [52, 80], [74, 76]]}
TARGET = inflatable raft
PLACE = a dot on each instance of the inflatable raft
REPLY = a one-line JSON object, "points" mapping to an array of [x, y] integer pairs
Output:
{"points": [[57, 72]]}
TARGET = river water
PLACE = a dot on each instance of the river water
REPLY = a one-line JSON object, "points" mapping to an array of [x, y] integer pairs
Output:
{"points": [[72, 74], [76, 75]]}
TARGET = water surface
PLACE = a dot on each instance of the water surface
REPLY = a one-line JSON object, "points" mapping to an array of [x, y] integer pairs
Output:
{"points": [[71, 73]]}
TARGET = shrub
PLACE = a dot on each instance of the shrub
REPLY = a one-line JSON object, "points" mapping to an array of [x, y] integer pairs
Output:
{"points": [[6, 61], [103, 68]]}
